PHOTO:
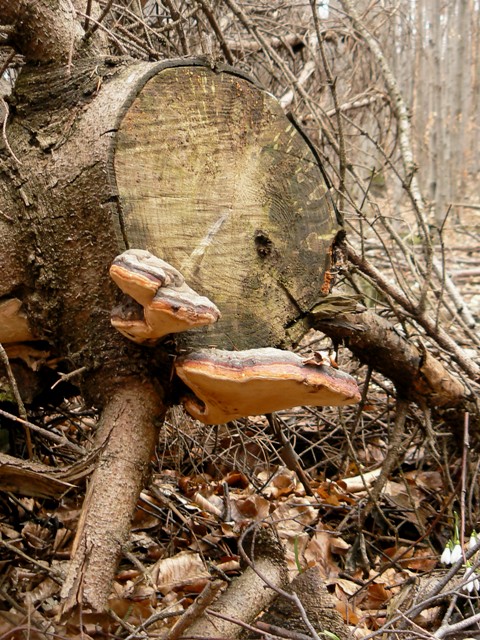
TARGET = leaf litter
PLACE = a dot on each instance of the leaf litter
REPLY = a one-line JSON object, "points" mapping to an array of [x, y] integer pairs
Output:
{"points": [[210, 483]]}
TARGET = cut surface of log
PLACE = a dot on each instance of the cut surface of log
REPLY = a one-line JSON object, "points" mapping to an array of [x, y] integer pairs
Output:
{"points": [[214, 179]]}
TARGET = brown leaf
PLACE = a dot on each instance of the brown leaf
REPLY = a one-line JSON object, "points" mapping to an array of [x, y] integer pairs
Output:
{"points": [[182, 569]]}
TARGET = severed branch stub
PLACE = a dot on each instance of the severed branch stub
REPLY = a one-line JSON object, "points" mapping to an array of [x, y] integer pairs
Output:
{"points": [[169, 304], [233, 384]]}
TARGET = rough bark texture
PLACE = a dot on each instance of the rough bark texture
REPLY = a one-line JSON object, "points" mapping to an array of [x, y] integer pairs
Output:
{"points": [[13, 271], [128, 431], [44, 30], [248, 594], [318, 606], [416, 374], [63, 203]]}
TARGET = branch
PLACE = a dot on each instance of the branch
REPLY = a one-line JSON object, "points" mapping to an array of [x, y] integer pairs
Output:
{"points": [[127, 434], [44, 30], [410, 168], [413, 371], [440, 336]]}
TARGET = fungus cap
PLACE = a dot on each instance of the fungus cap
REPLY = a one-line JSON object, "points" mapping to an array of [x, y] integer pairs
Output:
{"points": [[169, 304], [229, 384]]}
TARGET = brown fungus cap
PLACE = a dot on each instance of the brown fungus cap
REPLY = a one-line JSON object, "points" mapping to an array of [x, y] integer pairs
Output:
{"points": [[169, 304], [234, 384]]}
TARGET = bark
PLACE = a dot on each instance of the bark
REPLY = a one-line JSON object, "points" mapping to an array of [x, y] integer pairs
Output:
{"points": [[443, 339], [415, 372], [128, 432], [45, 30], [248, 594], [317, 603], [30, 478], [13, 271]]}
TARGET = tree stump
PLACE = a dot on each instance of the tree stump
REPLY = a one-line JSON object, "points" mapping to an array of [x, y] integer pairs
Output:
{"points": [[214, 179], [202, 168]]}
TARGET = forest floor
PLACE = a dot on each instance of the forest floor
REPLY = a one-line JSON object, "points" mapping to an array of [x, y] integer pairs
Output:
{"points": [[376, 554]]}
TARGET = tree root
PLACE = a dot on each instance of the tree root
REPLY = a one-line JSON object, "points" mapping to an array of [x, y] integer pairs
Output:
{"points": [[127, 433]]}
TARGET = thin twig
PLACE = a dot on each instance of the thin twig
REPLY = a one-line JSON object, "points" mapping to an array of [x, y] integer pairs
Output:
{"points": [[332, 86], [88, 11], [177, 17], [208, 11], [195, 610], [391, 459], [4, 132], [439, 335], [410, 168], [463, 490], [97, 23], [60, 440], [18, 399]]}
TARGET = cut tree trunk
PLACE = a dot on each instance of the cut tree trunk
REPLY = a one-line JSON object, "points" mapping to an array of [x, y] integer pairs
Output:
{"points": [[214, 179], [200, 167]]}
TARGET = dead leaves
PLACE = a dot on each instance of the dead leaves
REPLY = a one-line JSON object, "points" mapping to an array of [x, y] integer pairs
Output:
{"points": [[187, 526]]}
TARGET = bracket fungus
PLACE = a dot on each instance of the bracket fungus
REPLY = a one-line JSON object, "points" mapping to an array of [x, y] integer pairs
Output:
{"points": [[169, 304], [233, 384], [224, 385]]}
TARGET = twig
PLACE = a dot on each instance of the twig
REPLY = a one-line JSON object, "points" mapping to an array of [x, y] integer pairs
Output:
{"points": [[18, 399], [88, 11], [155, 617], [333, 91], [208, 11], [430, 598], [287, 452], [126, 626], [4, 132], [54, 574], [61, 441], [7, 62], [177, 17], [410, 168], [450, 629], [391, 459], [222, 616], [97, 23], [72, 41], [64, 377], [439, 335], [281, 632], [463, 490], [195, 610]]}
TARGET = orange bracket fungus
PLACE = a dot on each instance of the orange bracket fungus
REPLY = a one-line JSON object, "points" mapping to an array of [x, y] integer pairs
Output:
{"points": [[224, 385], [169, 304]]}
